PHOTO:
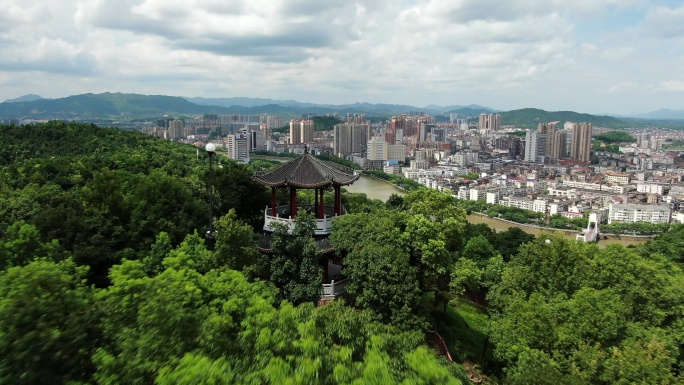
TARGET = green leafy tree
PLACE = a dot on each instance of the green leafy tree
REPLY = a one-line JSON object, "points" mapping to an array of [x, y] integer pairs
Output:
{"points": [[151, 322], [195, 369], [235, 188], [478, 249], [159, 250], [508, 242], [21, 244], [294, 266], [395, 201], [235, 244], [383, 280], [588, 315], [48, 324]]}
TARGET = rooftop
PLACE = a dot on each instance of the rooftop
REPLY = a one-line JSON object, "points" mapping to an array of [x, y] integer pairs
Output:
{"points": [[306, 171]]}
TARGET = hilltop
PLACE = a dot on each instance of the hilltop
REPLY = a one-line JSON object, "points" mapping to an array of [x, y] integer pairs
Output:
{"points": [[530, 117], [131, 106], [135, 105]]}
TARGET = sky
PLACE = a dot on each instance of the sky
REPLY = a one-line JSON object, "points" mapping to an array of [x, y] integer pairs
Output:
{"points": [[595, 56]]}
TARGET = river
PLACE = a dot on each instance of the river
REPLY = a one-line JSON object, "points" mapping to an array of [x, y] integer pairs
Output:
{"points": [[379, 189], [374, 188]]}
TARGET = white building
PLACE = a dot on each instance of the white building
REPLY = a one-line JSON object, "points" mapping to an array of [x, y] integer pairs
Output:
{"points": [[615, 177], [525, 203], [376, 149], [493, 197], [651, 188], [638, 213], [463, 193], [539, 205], [477, 194], [238, 146]]}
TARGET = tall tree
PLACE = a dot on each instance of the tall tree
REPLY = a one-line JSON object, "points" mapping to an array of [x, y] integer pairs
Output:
{"points": [[48, 324], [294, 265]]}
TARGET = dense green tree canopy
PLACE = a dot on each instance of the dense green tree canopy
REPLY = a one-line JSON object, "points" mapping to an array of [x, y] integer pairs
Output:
{"points": [[48, 324], [105, 278], [583, 312], [105, 194], [615, 137]]}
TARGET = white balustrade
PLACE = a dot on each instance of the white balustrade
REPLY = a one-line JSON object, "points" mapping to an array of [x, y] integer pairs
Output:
{"points": [[335, 288], [323, 225]]}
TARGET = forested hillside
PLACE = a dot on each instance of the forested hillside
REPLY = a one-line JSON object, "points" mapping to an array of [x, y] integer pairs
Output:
{"points": [[530, 117], [105, 194], [104, 279]]}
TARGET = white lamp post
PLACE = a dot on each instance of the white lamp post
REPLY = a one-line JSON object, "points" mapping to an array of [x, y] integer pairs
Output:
{"points": [[209, 236]]}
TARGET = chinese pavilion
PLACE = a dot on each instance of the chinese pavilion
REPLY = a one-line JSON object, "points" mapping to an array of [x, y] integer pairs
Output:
{"points": [[309, 173]]}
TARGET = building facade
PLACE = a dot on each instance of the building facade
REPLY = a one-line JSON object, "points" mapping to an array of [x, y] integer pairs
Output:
{"points": [[581, 142], [638, 213], [350, 138], [301, 131]]}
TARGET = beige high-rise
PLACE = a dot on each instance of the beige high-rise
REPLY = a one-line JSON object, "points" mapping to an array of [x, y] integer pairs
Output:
{"points": [[301, 131], [350, 138], [489, 122], [558, 145], [581, 142]]}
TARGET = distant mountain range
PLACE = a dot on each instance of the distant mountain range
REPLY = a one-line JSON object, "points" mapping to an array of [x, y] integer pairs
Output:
{"points": [[664, 113], [129, 106], [530, 117], [25, 98], [134, 105], [389, 109]]}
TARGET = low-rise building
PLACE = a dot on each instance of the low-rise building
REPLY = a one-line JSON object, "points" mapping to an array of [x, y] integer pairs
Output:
{"points": [[616, 177], [631, 213], [651, 188]]}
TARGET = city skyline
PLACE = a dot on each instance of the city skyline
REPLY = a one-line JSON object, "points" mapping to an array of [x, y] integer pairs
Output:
{"points": [[592, 56]]}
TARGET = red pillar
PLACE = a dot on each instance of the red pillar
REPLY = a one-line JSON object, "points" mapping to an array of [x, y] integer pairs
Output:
{"points": [[293, 202], [273, 201], [321, 205], [315, 207], [338, 201]]}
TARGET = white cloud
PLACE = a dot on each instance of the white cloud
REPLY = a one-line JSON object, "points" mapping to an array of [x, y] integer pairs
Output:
{"points": [[554, 54], [628, 86], [671, 86], [663, 22]]}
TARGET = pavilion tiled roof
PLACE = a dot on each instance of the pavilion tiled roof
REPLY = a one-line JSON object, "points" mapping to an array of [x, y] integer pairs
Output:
{"points": [[307, 171]]}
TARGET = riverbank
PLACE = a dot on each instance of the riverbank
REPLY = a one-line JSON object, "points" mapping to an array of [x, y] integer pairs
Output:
{"points": [[403, 191], [374, 188], [503, 225]]}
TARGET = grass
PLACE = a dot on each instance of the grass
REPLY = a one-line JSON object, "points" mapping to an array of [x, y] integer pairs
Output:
{"points": [[465, 327]]}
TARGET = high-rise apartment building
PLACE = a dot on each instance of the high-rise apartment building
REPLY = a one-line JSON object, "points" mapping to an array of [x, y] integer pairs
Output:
{"points": [[238, 146], [581, 142], [376, 149], [558, 145], [555, 140], [396, 152], [489, 122], [355, 118], [408, 124], [176, 129], [535, 146], [453, 118], [301, 131], [350, 138]]}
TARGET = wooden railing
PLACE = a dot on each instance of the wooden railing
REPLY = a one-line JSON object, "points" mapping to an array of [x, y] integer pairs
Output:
{"points": [[440, 344]]}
